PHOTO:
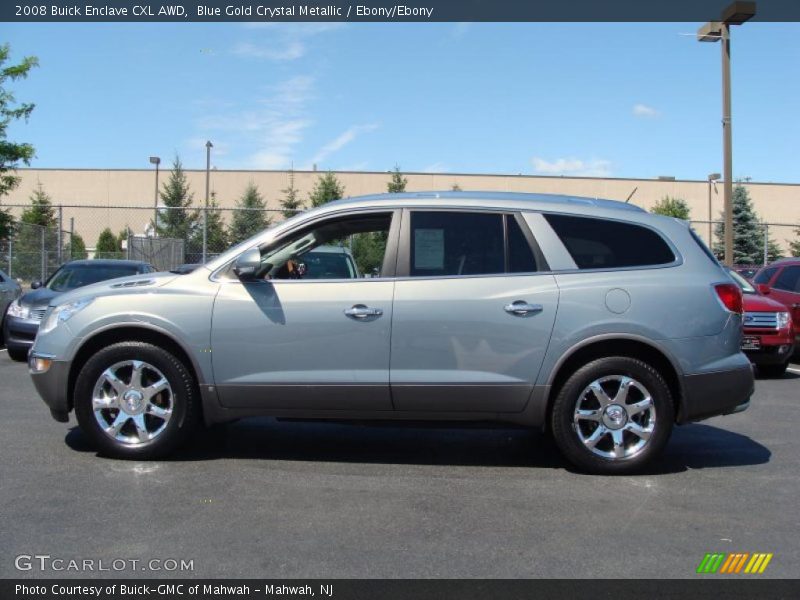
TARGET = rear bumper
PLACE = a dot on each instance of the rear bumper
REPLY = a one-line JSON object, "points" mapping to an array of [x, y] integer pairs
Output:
{"points": [[716, 393]]}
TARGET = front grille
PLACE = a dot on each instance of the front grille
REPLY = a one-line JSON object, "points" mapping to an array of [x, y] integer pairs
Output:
{"points": [[761, 320], [37, 314]]}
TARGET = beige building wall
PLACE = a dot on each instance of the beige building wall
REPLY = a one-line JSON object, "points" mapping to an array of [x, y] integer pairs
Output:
{"points": [[106, 190]]}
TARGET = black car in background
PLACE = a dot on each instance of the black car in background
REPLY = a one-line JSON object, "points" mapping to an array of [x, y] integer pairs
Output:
{"points": [[9, 291], [25, 313]]}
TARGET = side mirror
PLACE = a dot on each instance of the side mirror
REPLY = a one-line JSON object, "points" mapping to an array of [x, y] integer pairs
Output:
{"points": [[248, 264], [763, 289], [35, 285]]}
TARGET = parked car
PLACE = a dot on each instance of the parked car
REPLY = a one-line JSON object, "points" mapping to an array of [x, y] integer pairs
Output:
{"points": [[330, 262], [746, 271], [26, 313], [10, 290], [781, 281], [590, 318], [768, 331]]}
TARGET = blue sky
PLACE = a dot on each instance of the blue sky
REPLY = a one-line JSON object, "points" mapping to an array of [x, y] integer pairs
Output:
{"points": [[621, 100]]}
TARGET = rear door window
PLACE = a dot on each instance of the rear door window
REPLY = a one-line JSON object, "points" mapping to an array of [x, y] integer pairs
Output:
{"points": [[464, 243], [766, 275], [606, 244], [788, 280]]}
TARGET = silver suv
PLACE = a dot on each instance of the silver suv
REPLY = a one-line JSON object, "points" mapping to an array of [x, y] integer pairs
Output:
{"points": [[589, 318]]}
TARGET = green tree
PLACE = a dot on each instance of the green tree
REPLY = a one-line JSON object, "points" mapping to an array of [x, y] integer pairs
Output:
{"points": [[36, 241], [77, 250], [326, 189], [672, 207], [398, 183], [216, 233], [251, 216], [107, 245], [177, 219], [794, 246], [748, 232], [12, 155], [291, 203]]}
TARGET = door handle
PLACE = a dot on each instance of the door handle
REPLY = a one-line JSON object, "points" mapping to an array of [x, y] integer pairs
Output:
{"points": [[522, 308], [360, 311]]}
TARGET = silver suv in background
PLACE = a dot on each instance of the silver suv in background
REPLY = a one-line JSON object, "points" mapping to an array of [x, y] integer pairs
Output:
{"points": [[590, 318]]}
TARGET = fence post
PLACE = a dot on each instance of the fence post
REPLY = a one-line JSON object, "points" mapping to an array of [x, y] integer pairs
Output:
{"points": [[60, 236], [205, 233], [10, 253], [44, 253], [766, 243], [71, 236]]}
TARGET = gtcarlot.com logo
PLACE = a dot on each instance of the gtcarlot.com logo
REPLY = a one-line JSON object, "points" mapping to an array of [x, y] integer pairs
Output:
{"points": [[731, 563]]}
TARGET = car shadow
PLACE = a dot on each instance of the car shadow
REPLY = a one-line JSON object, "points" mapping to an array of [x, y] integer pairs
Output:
{"points": [[694, 446]]}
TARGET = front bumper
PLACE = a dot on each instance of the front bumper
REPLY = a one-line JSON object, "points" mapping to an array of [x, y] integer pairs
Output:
{"points": [[716, 393], [52, 385], [776, 347], [20, 333]]}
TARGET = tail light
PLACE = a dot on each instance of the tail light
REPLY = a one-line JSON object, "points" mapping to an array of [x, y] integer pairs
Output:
{"points": [[730, 295]]}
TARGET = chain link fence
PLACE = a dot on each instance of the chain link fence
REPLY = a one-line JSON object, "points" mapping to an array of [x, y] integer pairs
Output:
{"points": [[181, 236]]}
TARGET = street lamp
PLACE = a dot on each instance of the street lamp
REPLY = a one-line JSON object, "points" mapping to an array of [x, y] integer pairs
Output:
{"points": [[155, 160], [209, 145], [735, 14], [712, 180]]}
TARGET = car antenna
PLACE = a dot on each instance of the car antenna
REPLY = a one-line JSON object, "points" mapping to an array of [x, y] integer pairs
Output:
{"points": [[628, 199]]}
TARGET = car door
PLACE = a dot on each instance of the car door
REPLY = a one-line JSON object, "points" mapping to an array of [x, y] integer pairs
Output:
{"points": [[300, 344], [473, 313], [786, 290]]}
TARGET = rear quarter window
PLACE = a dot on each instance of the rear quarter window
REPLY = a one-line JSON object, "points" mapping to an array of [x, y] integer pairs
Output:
{"points": [[605, 244]]}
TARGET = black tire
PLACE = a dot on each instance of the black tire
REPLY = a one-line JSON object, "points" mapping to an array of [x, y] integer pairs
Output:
{"points": [[773, 370], [18, 354], [184, 401], [568, 436]]}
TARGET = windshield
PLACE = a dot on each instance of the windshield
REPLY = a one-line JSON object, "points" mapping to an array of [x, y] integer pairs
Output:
{"points": [[71, 277], [747, 288]]}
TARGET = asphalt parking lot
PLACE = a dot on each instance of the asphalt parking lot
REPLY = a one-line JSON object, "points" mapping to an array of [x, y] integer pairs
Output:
{"points": [[261, 498]]}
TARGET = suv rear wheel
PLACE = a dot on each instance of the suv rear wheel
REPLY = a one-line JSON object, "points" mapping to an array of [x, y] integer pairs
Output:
{"points": [[136, 401], [613, 415]]}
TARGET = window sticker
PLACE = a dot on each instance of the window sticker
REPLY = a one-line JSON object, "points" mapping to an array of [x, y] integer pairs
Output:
{"points": [[429, 249]]}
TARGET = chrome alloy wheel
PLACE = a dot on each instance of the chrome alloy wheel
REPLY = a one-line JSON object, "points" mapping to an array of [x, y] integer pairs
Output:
{"points": [[615, 417], [132, 402]]}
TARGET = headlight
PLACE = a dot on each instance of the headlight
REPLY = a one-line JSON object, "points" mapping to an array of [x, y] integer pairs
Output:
{"points": [[15, 309], [63, 313], [783, 320]]}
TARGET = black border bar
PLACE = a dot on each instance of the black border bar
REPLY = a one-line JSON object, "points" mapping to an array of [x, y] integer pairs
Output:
{"points": [[730, 588], [397, 11]]}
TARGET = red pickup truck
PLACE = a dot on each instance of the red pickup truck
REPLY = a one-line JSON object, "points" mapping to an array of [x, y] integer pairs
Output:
{"points": [[769, 333]]}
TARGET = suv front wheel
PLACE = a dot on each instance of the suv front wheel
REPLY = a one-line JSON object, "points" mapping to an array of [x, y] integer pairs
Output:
{"points": [[135, 401], [613, 415]]}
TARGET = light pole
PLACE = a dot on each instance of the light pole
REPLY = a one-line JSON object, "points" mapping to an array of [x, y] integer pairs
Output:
{"points": [[712, 180], [209, 145], [155, 160], [736, 14]]}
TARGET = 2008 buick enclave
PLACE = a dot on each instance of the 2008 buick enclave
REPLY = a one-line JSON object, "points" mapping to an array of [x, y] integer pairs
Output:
{"points": [[591, 318]]}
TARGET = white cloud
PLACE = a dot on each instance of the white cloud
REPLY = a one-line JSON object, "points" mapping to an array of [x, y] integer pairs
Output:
{"points": [[275, 127], [436, 167], [459, 30], [594, 167], [290, 51], [287, 41], [341, 141], [645, 111]]}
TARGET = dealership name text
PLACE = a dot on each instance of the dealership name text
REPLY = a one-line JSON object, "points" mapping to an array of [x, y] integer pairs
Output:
{"points": [[60, 589]]}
